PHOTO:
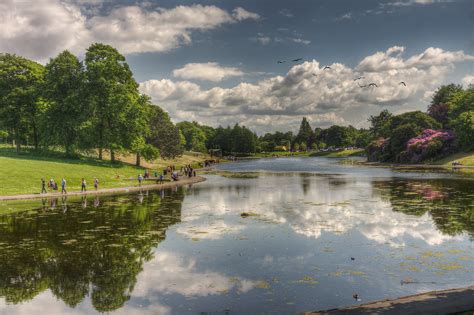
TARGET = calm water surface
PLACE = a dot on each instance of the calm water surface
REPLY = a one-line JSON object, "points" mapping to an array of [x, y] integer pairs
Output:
{"points": [[190, 251]]}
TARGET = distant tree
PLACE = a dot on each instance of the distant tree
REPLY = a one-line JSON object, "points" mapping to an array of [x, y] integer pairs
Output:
{"points": [[339, 136], [444, 93], [296, 147], [195, 137], [164, 134], [303, 146], [462, 101], [20, 91], [377, 122], [66, 109], [441, 103], [305, 133], [464, 130]]}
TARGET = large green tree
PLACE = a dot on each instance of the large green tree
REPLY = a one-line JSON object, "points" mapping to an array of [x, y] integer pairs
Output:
{"points": [[115, 107], [65, 113], [20, 91]]}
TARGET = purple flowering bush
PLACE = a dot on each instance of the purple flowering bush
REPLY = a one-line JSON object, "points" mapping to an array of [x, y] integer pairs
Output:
{"points": [[429, 144]]}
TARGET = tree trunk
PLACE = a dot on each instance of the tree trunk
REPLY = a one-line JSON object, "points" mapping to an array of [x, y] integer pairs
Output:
{"points": [[112, 156], [17, 141], [100, 153], [35, 137], [137, 163]]}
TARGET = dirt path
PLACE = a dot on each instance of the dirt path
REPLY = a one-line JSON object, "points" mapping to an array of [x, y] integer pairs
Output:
{"points": [[434, 302], [181, 182]]}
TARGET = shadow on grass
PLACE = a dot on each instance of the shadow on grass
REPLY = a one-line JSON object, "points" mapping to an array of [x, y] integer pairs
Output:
{"points": [[55, 156]]}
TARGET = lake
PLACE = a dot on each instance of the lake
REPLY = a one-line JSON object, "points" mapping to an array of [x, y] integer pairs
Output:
{"points": [[268, 236]]}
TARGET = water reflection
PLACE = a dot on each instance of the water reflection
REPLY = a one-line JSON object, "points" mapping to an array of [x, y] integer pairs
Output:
{"points": [[189, 250], [78, 250]]}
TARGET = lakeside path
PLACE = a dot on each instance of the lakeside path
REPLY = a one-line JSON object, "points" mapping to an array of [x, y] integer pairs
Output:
{"points": [[434, 302], [181, 182]]}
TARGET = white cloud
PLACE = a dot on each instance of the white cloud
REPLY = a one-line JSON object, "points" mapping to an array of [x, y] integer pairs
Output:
{"points": [[325, 96], [286, 13], [36, 29], [467, 80], [210, 71], [170, 273], [301, 41], [415, 2], [241, 14], [264, 40]]}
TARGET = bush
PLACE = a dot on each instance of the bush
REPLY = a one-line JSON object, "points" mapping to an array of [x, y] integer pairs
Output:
{"points": [[429, 144]]}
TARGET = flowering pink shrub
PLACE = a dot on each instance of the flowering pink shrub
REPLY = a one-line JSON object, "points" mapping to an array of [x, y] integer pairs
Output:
{"points": [[429, 134], [429, 144]]}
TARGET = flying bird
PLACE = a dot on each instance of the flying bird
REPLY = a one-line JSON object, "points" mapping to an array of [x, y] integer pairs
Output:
{"points": [[297, 59], [362, 86], [359, 78], [314, 74], [327, 67], [373, 84], [281, 61], [402, 83]]}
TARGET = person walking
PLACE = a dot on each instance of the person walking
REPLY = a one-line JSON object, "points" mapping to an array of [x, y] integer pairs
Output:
{"points": [[43, 186], [63, 186], [83, 185], [140, 178], [161, 178], [96, 184]]}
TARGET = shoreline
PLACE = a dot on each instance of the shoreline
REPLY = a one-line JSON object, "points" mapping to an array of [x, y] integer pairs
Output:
{"points": [[434, 302], [428, 166], [117, 190]]}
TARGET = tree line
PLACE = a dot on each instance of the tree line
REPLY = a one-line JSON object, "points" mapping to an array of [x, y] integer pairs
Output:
{"points": [[94, 106]]}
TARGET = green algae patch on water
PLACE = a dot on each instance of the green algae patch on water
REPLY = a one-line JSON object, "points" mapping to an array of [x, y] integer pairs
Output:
{"points": [[307, 280], [262, 284]]}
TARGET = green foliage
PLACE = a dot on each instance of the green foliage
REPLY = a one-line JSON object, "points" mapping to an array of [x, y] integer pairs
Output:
{"points": [[20, 91], [114, 99], [65, 110], [195, 137], [163, 133], [377, 122], [305, 134], [464, 130], [444, 93]]}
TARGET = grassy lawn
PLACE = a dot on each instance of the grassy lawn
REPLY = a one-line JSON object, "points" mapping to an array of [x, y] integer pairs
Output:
{"points": [[21, 174], [338, 154], [465, 158]]}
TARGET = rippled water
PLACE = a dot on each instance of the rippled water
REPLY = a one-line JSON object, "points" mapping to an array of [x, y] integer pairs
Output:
{"points": [[274, 236]]}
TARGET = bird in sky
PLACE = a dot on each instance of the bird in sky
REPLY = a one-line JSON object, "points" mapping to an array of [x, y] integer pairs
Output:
{"points": [[373, 84], [281, 61], [327, 67], [359, 78], [362, 86], [297, 59], [314, 74], [402, 83]]}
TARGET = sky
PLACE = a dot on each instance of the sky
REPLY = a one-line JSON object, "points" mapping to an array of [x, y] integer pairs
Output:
{"points": [[217, 61]]}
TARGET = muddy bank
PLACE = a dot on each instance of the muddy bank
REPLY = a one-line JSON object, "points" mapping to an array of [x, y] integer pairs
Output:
{"points": [[434, 302]]}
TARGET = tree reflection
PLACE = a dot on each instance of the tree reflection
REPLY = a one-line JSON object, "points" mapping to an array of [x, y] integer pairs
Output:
{"points": [[94, 248], [449, 202]]}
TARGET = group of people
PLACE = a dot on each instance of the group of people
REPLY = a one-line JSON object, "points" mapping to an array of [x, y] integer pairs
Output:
{"points": [[52, 185], [188, 170]]}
